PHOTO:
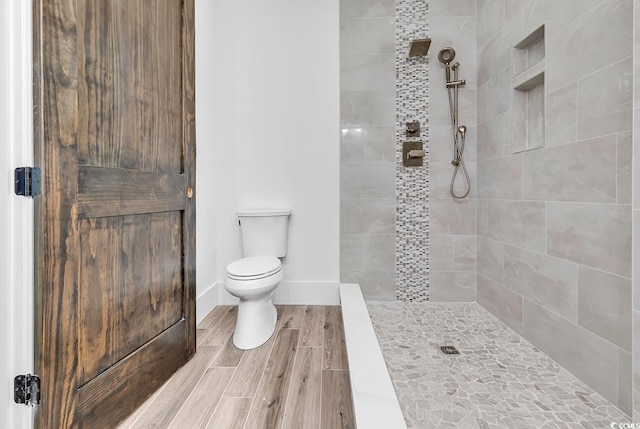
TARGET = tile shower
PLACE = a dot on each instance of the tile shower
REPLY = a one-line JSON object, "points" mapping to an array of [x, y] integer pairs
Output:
{"points": [[543, 242]]}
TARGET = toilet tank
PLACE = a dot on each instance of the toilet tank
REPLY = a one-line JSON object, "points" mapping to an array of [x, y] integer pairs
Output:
{"points": [[264, 232]]}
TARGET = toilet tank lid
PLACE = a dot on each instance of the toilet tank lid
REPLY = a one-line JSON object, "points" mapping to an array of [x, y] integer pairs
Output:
{"points": [[265, 212]]}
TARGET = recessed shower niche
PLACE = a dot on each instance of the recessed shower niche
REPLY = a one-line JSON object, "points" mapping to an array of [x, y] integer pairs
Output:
{"points": [[528, 67]]}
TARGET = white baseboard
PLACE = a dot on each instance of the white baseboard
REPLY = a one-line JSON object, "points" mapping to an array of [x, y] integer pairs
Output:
{"points": [[207, 300], [295, 293]]}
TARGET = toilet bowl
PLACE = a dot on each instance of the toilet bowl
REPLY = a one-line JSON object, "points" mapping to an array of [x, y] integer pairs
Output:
{"points": [[254, 278]]}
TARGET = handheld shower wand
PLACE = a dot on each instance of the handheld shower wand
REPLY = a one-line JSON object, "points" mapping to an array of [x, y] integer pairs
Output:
{"points": [[446, 56]]}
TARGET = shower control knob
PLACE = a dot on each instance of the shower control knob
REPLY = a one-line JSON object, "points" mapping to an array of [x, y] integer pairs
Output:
{"points": [[413, 129]]}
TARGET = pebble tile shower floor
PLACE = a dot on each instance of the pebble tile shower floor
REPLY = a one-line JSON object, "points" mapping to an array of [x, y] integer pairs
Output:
{"points": [[499, 380]]}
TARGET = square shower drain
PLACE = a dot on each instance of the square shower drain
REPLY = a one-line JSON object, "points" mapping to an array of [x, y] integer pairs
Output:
{"points": [[449, 350]]}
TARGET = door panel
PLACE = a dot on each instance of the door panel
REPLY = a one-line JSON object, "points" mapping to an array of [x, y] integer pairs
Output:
{"points": [[100, 402], [130, 286], [129, 55], [115, 225]]}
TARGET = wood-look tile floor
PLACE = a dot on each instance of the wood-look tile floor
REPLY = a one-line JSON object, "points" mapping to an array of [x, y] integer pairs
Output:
{"points": [[297, 379]]}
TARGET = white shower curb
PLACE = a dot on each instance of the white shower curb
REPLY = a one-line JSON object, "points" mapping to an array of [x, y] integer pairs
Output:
{"points": [[375, 403]]}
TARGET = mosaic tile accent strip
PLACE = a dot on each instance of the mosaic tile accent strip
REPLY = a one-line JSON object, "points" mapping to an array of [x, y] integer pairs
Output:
{"points": [[412, 183], [499, 380]]}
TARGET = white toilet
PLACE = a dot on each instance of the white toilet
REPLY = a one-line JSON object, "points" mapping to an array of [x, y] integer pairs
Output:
{"points": [[255, 277]]}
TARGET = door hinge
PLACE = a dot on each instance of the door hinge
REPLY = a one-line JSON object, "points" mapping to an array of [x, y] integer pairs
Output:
{"points": [[26, 389], [27, 181]]}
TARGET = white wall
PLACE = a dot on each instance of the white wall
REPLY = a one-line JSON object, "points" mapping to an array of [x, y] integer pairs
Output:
{"points": [[206, 238], [16, 216], [276, 127]]}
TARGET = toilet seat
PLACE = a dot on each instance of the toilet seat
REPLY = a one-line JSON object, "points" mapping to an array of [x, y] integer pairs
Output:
{"points": [[253, 268]]}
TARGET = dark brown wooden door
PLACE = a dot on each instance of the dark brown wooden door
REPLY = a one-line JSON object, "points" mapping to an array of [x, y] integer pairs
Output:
{"points": [[115, 224]]}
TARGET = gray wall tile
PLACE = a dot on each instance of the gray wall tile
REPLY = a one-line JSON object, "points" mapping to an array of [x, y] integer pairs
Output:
{"points": [[379, 144], [440, 143], [587, 44], [555, 14], [624, 174], [375, 285], [494, 55], [379, 252], [625, 381], [494, 135], [368, 73], [562, 116], [491, 259], [352, 145], [500, 178], [636, 159], [453, 216], [448, 8], [503, 303], [367, 216], [596, 235], [452, 287], [441, 253], [361, 8], [351, 36], [366, 108], [464, 253], [440, 174], [581, 172], [603, 305], [441, 117], [636, 367], [491, 18], [379, 35], [544, 280], [501, 94], [605, 101], [482, 217], [351, 252], [636, 260], [588, 356], [458, 31], [368, 144], [520, 223], [513, 8], [367, 180]]}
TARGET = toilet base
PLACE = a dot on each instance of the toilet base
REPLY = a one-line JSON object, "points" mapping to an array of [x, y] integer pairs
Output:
{"points": [[256, 322]]}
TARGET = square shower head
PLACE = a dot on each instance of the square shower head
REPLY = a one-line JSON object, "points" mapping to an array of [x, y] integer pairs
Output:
{"points": [[419, 47]]}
